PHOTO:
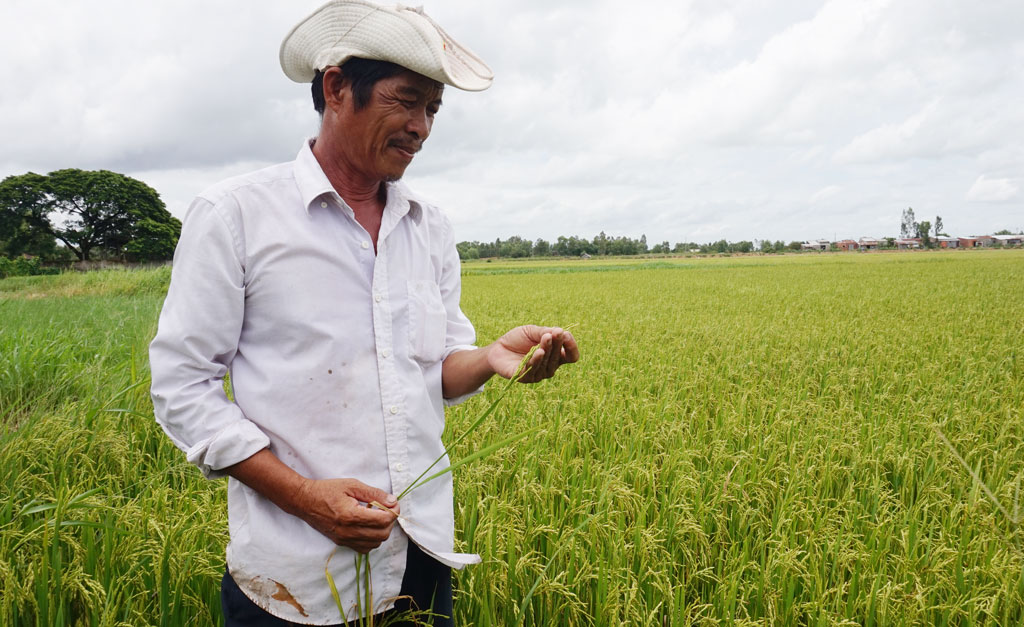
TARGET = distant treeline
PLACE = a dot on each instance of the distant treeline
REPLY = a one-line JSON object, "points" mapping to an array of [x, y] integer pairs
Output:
{"points": [[602, 244]]}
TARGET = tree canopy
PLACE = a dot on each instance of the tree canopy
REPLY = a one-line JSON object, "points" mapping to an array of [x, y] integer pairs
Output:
{"points": [[601, 244], [923, 229], [89, 212]]}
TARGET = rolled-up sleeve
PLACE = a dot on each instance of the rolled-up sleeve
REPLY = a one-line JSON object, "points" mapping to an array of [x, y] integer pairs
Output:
{"points": [[197, 338], [459, 332]]}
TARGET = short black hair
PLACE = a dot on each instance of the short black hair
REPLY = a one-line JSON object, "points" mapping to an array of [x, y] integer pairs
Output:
{"points": [[362, 75]]}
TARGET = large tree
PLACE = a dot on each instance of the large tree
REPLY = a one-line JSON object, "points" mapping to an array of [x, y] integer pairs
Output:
{"points": [[89, 212], [923, 229]]}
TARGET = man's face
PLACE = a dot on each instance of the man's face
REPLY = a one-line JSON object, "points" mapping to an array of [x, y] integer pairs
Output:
{"points": [[383, 136]]}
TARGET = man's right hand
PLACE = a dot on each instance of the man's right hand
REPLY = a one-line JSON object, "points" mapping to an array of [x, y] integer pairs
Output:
{"points": [[334, 507], [338, 509]]}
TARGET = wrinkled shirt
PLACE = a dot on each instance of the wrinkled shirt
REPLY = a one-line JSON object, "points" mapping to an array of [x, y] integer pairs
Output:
{"points": [[334, 354]]}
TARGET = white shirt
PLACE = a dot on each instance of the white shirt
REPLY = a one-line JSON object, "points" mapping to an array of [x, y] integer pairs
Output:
{"points": [[335, 361]]}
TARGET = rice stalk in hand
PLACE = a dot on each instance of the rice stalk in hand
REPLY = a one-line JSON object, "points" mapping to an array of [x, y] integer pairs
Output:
{"points": [[364, 607], [515, 378]]}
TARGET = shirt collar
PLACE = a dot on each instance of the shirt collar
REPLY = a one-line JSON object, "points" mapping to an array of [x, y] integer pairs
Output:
{"points": [[313, 183], [401, 202], [309, 176]]}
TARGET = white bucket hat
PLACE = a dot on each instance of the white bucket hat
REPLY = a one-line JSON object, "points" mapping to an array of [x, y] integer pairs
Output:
{"points": [[403, 35]]}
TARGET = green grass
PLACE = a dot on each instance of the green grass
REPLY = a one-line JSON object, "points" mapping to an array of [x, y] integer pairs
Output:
{"points": [[102, 522], [747, 440]]}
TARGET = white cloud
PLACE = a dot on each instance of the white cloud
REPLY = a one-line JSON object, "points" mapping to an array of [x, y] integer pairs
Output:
{"points": [[825, 193], [917, 135], [992, 190], [694, 119]]}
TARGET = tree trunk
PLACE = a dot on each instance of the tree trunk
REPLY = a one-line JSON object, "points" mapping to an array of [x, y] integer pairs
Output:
{"points": [[83, 254]]}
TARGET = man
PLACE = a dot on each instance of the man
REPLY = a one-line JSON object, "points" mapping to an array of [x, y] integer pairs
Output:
{"points": [[330, 292]]}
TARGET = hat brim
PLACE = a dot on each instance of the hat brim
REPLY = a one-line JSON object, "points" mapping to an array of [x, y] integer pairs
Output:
{"points": [[342, 29]]}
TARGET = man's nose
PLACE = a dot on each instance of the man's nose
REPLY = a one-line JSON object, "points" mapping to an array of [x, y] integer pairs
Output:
{"points": [[419, 123]]}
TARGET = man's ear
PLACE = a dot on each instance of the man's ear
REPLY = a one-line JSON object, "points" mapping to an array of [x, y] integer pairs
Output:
{"points": [[336, 88]]}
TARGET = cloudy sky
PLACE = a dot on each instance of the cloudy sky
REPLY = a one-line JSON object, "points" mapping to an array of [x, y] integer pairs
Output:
{"points": [[685, 120]]}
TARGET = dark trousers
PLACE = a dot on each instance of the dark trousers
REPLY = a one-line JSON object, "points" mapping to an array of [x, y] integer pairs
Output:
{"points": [[427, 584]]}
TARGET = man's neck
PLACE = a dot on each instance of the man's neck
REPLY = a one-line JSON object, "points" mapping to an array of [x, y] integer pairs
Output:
{"points": [[364, 195], [353, 186]]}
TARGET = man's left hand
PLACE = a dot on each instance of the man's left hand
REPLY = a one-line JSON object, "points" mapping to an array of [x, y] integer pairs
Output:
{"points": [[555, 346], [465, 371]]}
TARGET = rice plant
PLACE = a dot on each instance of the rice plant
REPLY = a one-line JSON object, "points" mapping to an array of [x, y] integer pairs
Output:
{"points": [[797, 440]]}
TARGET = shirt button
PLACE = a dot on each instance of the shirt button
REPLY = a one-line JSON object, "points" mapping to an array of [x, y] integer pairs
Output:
{"points": [[399, 466], [394, 409], [365, 245], [385, 352], [377, 298], [323, 204]]}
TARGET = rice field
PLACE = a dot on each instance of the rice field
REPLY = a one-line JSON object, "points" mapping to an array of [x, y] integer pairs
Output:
{"points": [[832, 439]]}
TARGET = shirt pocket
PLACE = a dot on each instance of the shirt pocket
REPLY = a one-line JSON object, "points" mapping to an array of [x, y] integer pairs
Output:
{"points": [[427, 321]]}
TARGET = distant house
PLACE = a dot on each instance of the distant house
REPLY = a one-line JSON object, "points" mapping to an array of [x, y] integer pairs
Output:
{"points": [[948, 242], [815, 244], [983, 240], [1009, 240], [968, 242], [868, 243], [584, 256], [908, 243], [847, 244]]}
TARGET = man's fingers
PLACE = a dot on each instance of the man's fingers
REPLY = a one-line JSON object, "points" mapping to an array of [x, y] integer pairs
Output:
{"points": [[370, 517], [555, 348], [368, 494], [530, 372], [364, 533], [555, 355], [538, 362], [569, 348], [542, 349], [533, 333], [363, 546], [361, 533], [550, 353], [552, 347]]}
